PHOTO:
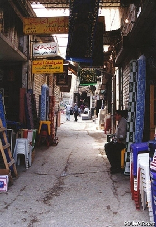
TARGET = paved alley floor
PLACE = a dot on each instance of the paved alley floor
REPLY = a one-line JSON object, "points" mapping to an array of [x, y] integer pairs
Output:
{"points": [[69, 185]]}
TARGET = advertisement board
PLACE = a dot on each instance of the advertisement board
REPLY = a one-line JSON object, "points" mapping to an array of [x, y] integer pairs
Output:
{"points": [[47, 66], [45, 49], [45, 25]]}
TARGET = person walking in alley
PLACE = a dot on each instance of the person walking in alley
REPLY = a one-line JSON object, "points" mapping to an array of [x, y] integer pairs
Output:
{"points": [[75, 111], [68, 112], [113, 148]]}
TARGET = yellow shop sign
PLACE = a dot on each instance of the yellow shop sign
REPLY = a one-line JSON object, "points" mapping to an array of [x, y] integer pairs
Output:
{"points": [[47, 66]]}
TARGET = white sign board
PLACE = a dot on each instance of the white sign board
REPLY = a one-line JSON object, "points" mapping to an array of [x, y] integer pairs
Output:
{"points": [[45, 49]]}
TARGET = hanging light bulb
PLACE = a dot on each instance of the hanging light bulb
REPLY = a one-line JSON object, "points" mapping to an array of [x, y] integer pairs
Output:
{"points": [[126, 21]]}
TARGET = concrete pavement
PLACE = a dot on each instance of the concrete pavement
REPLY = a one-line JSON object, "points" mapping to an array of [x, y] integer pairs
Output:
{"points": [[69, 185]]}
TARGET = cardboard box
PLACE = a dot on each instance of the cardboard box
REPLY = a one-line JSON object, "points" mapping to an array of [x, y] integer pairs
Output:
{"points": [[4, 179]]}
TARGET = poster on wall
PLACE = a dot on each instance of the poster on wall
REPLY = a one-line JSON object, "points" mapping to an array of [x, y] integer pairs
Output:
{"points": [[47, 66], [45, 25], [45, 49]]}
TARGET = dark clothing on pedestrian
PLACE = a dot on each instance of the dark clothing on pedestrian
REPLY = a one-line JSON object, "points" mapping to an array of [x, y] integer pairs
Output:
{"points": [[76, 113], [71, 111], [113, 149], [113, 152]]}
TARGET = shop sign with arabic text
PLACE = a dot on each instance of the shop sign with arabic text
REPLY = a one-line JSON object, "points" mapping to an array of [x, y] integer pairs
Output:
{"points": [[47, 66], [88, 76], [45, 25], [45, 49]]}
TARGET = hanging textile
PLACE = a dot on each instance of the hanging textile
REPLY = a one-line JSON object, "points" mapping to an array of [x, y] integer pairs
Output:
{"points": [[52, 116], [140, 102], [131, 113], [98, 56], [28, 111], [2, 111], [82, 26], [44, 102], [34, 111]]}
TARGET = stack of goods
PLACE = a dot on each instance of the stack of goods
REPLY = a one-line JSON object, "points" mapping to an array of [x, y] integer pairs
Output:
{"points": [[136, 149], [144, 184], [131, 114], [140, 99]]}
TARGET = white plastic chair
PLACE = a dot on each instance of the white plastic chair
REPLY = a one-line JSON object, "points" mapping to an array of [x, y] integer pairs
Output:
{"points": [[145, 183], [22, 147]]}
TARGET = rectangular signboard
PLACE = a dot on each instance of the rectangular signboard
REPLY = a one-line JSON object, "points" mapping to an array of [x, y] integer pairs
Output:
{"points": [[45, 49], [47, 66], [45, 25], [62, 79]]}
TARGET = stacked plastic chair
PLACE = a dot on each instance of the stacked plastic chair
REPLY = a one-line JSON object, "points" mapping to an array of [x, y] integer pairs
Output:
{"points": [[153, 185], [144, 183], [22, 147], [151, 148], [135, 149]]}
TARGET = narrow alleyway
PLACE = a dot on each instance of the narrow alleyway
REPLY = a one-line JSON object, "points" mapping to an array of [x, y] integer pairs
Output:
{"points": [[69, 185]]}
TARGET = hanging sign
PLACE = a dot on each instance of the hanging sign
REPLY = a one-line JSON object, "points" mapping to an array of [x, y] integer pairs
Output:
{"points": [[45, 25], [47, 66], [88, 77], [45, 49], [62, 79]]}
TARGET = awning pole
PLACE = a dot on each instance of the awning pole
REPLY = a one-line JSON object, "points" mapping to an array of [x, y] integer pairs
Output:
{"points": [[112, 107]]}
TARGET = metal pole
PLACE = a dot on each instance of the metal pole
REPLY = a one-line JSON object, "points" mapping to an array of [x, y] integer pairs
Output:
{"points": [[112, 107]]}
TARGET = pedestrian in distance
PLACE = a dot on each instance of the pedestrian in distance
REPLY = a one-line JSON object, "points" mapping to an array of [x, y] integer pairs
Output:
{"points": [[68, 107], [71, 110], [113, 148], [76, 113]]}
